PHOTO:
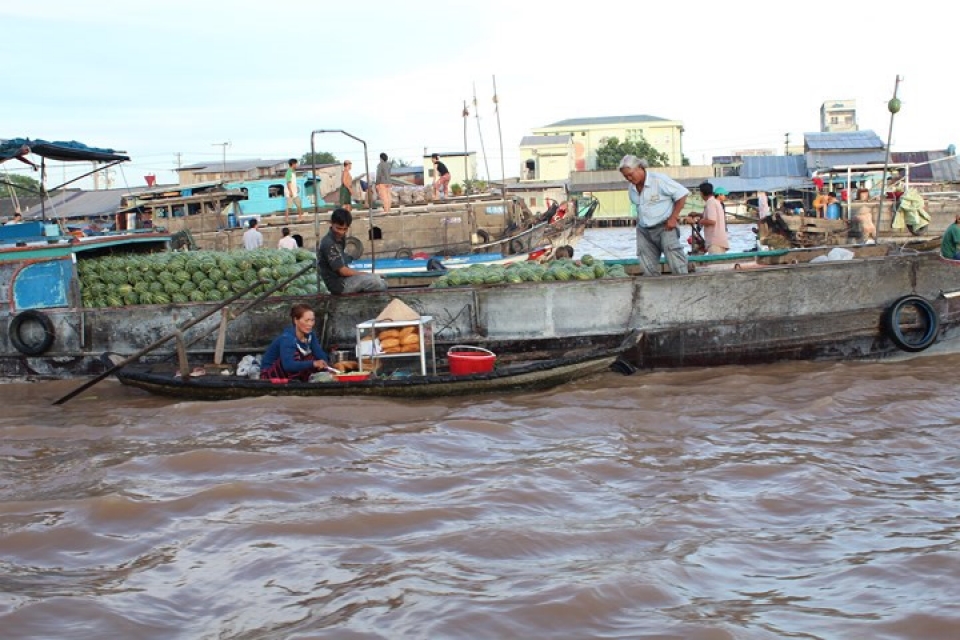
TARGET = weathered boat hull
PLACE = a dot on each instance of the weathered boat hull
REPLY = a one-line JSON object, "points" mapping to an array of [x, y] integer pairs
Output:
{"points": [[828, 310], [545, 374]]}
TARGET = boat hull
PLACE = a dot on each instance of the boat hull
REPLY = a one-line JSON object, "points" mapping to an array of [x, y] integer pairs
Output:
{"points": [[826, 310], [539, 375]]}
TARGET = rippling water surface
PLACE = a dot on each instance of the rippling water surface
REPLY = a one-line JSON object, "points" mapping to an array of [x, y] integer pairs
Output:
{"points": [[793, 500], [797, 500]]}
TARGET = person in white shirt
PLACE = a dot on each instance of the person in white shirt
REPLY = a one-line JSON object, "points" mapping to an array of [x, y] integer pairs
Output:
{"points": [[252, 238], [287, 241]]}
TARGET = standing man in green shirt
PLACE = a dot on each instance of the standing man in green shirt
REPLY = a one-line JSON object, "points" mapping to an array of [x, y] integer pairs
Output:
{"points": [[950, 245], [293, 193]]}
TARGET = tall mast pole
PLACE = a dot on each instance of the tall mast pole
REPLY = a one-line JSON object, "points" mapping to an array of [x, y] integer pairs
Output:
{"points": [[483, 150], [496, 108], [893, 106], [466, 169]]}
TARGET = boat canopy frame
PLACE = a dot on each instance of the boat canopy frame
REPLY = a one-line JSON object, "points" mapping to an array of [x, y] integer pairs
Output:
{"points": [[72, 151]]}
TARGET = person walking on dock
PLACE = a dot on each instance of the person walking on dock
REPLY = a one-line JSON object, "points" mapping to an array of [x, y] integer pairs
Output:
{"points": [[383, 182], [659, 199], [346, 187], [441, 178], [293, 193]]}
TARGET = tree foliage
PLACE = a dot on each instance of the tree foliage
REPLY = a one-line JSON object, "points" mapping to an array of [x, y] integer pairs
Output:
{"points": [[320, 157], [612, 151], [24, 186]]}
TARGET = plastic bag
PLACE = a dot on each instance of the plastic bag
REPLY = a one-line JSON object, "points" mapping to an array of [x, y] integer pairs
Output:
{"points": [[249, 367]]}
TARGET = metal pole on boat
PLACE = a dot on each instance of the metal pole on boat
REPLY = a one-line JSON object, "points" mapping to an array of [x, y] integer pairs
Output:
{"points": [[43, 189], [503, 171], [893, 106], [483, 149], [316, 196], [316, 199], [466, 169]]}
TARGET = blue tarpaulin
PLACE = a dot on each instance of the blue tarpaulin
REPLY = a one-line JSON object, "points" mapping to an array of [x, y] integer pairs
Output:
{"points": [[60, 150]]}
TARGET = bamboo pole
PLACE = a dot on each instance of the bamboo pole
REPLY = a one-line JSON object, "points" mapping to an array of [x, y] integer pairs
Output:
{"points": [[886, 161]]}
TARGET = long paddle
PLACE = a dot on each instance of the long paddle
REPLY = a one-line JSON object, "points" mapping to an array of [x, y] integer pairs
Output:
{"points": [[170, 336]]}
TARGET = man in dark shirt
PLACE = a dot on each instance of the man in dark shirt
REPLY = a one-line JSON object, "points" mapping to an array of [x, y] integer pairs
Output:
{"points": [[333, 260], [441, 178]]}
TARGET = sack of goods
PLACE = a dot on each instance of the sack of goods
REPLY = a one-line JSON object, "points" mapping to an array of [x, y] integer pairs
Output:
{"points": [[402, 340]]}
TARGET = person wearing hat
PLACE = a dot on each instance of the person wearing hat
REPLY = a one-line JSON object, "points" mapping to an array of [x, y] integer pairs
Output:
{"points": [[659, 199]]}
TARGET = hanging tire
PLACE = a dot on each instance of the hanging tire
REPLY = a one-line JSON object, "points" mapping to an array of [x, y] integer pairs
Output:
{"points": [[404, 254], [516, 246], [921, 333], [483, 236], [27, 340], [354, 247]]}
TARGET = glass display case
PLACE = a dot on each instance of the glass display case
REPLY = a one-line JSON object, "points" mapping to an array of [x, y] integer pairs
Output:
{"points": [[425, 352]]}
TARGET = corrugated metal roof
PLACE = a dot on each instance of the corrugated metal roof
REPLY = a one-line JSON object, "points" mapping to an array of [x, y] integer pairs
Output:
{"points": [[941, 168], [576, 122], [848, 140], [233, 165], [820, 161], [769, 184], [769, 166], [82, 204], [539, 141]]}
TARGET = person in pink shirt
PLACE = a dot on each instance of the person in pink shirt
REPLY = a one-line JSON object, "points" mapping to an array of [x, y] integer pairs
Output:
{"points": [[714, 221]]}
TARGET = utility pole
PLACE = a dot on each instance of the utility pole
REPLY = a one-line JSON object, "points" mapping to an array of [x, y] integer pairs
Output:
{"points": [[223, 172], [786, 144]]}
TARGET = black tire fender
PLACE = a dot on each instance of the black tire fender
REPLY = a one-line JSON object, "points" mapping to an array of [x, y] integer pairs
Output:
{"points": [[483, 236], [516, 245], [404, 254], [925, 312], [16, 331]]}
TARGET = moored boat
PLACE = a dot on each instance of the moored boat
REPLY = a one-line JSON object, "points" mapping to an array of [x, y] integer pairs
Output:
{"points": [[533, 369], [214, 216]]}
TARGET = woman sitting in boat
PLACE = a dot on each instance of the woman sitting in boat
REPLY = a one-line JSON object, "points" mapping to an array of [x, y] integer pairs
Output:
{"points": [[296, 354]]}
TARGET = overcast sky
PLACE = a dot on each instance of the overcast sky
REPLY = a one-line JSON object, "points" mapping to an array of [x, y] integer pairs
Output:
{"points": [[168, 81]]}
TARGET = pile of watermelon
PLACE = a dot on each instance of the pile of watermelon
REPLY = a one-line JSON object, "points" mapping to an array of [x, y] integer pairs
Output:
{"points": [[193, 276], [587, 268]]}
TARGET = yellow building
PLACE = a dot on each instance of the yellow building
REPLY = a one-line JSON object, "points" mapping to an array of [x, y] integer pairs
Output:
{"points": [[555, 151]]}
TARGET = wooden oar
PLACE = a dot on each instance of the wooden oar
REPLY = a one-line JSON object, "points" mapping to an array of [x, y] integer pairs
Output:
{"points": [[179, 332]]}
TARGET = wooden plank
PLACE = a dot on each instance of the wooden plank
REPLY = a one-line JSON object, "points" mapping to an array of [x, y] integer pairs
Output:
{"points": [[182, 356], [221, 336]]}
